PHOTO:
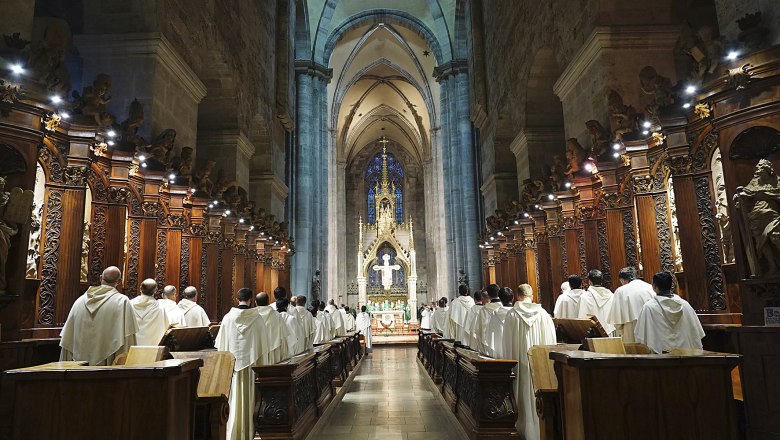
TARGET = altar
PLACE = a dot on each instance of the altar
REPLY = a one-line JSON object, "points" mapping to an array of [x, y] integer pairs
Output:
{"points": [[387, 321]]}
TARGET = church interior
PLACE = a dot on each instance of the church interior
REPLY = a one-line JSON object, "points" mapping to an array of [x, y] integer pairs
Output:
{"points": [[357, 219]]}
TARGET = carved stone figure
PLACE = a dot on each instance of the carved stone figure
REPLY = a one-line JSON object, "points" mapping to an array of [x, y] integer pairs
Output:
{"points": [[15, 209], [131, 140], [221, 185], [463, 279], [34, 244], [203, 178], [623, 120], [599, 138], [248, 210], [85, 243], [513, 208], [575, 156], [47, 59], [92, 102], [315, 285], [658, 87], [493, 224], [162, 146], [726, 238], [759, 206], [703, 48], [557, 174]]}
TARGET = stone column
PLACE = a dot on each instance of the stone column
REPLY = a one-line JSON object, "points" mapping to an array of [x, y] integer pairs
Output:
{"points": [[307, 226], [231, 150]]}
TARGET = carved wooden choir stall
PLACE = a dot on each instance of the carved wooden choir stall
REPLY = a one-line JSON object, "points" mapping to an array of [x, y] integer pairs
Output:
{"points": [[689, 187]]}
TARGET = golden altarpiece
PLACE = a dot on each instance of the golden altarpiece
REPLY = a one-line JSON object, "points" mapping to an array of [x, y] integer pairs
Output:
{"points": [[375, 239]]}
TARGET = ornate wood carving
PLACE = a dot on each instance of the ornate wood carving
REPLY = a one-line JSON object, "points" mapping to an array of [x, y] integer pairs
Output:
{"points": [[184, 272], [50, 255], [664, 233], [643, 184], [272, 409], [203, 271], [581, 246], [606, 270], [51, 163], [564, 256], [305, 393], [96, 185], [712, 254], [162, 238], [219, 279], [498, 401], [97, 233], [133, 248], [629, 238]]}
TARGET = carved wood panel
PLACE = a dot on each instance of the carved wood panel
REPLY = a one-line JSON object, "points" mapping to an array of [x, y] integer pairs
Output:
{"points": [[48, 292], [97, 237], [133, 249], [712, 254]]}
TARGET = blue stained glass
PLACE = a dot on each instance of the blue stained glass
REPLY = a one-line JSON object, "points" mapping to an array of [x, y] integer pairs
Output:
{"points": [[371, 206], [373, 174]]}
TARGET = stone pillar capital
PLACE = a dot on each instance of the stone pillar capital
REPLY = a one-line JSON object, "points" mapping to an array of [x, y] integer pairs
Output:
{"points": [[313, 69], [451, 68]]}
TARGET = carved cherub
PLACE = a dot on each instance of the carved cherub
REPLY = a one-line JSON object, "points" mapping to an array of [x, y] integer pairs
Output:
{"points": [[47, 58], [532, 191], [92, 102], [203, 178], [703, 48], [220, 185], [624, 119], [599, 138], [557, 175], [659, 87], [502, 217], [513, 208], [493, 224], [162, 146], [575, 156], [130, 139], [248, 210], [182, 164]]}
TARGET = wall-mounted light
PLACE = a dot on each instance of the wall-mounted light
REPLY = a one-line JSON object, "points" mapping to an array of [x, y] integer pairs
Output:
{"points": [[17, 69]]}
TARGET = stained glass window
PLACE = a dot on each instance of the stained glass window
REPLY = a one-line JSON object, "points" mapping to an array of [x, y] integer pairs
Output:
{"points": [[395, 173]]}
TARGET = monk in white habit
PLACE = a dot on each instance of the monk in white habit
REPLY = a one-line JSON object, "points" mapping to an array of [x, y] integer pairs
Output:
{"points": [[494, 333], [306, 321], [279, 292], [337, 318], [456, 316], [597, 301], [567, 306], [152, 320], [294, 342], [483, 318], [480, 298], [439, 317], [168, 302], [425, 318], [349, 320], [363, 325], [243, 333], [194, 315], [101, 324], [667, 321], [321, 323], [277, 332], [526, 325], [629, 299]]}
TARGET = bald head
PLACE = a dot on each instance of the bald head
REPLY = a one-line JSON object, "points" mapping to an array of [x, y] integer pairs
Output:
{"points": [[148, 287], [111, 276], [169, 292], [190, 292], [262, 299]]}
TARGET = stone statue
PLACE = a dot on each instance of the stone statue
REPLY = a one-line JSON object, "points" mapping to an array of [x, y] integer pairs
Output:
{"points": [[759, 206], [623, 119], [182, 164], [575, 156], [92, 102], [15, 209], [202, 179], [131, 140], [85, 242], [161, 147], [315, 285], [726, 237], [463, 279], [47, 58], [221, 185], [658, 87], [513, 208], [387, 271], [600, 139]]}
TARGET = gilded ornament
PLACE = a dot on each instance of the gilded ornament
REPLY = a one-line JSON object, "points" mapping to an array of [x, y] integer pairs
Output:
{"points": [[703, 110]]}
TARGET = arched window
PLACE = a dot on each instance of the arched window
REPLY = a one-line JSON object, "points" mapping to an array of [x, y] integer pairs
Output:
{"points": [[395, 173]]}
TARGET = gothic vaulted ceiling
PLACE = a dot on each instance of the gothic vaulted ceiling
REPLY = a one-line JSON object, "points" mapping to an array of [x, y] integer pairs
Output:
{"points": [[383, 54]]}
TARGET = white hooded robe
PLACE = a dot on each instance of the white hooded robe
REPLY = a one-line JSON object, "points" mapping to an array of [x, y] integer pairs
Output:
{"points": [[666, 323], [152, 320], [194, 315], [626, 305], [597, 301], [363, 325], [456, 318], [567, 306]]}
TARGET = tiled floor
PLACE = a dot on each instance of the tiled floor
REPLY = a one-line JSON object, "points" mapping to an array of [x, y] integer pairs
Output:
{"points": [[390, 399]]}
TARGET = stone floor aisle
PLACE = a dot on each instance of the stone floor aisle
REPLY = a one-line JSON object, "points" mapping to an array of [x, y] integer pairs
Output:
{"points": [[390, 399]]}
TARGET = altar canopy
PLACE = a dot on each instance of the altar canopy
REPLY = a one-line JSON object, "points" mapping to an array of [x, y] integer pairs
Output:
{"points": [[386, 259]]}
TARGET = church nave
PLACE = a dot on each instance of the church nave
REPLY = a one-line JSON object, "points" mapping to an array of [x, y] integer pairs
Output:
{"points": [[390, 398]]}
